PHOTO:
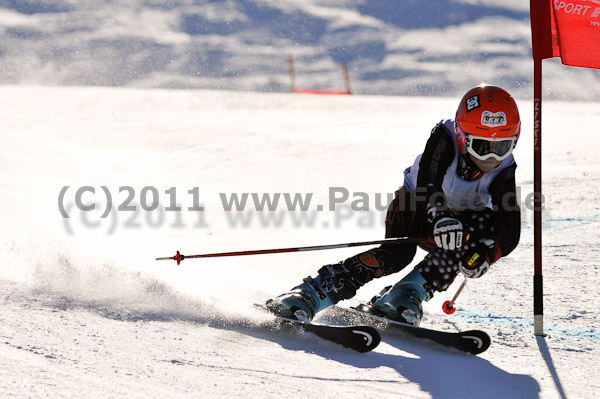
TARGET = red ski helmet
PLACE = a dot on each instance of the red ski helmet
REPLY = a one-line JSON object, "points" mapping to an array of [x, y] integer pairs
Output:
{"points": [[487, 123]]}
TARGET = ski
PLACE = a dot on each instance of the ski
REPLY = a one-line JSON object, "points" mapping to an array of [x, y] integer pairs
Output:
{"points": [[472, 341], [357, 337]]}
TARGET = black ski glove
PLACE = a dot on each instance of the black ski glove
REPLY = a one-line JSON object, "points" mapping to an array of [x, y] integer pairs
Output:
{"points": [[477, 258]]}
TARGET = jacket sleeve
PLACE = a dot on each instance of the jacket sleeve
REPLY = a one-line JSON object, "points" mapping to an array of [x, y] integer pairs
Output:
{"points": [[435, 160], [506, 212]]}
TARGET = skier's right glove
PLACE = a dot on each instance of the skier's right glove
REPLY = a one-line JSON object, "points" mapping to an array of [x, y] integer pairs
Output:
{"points": [[448, 233], [447, 230]]}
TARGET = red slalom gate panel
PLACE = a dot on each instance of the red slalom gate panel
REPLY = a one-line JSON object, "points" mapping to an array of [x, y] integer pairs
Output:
{"points": [[322, 92]]}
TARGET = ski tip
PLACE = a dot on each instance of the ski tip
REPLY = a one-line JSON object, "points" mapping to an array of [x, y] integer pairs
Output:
{"points": [[365, 338], [360, 338], [478, 341]]}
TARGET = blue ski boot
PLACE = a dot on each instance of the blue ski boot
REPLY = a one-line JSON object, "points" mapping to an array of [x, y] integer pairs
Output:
{"points": [[402, 302], [302, 302]]}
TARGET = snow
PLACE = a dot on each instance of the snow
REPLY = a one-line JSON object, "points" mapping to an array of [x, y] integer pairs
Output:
{"points": [[87, 310], [391, 47]]}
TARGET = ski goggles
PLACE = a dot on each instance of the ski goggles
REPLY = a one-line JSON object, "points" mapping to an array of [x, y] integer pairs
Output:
{"points": [[484, 148]]}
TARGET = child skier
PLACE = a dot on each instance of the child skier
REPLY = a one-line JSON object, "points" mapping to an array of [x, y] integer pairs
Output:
{"points": [[460, 193]]}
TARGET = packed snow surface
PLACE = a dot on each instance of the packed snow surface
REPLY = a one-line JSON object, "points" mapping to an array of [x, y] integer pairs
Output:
{"points": [[86, 310], [409, 47]]}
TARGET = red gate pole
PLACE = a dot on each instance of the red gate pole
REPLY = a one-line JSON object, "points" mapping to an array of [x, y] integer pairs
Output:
{"points": [[538, 292]]}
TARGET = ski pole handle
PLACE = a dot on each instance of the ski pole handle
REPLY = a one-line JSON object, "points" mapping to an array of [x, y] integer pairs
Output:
{"points": [[448, 306]]}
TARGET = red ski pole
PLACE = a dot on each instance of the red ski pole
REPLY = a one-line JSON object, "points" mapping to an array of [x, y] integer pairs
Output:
{"points": [[398, 240], [448, 306]]}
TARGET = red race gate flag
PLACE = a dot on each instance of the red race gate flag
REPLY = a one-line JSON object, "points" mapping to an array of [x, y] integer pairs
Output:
{"points": [[566, 29], [570, 30]]}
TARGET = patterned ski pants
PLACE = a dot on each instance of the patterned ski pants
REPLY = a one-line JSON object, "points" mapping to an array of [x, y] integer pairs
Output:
{"points": [[406, 217]]}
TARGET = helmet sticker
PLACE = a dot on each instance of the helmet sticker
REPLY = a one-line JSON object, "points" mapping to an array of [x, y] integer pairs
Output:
{"points": [[493, 119], [472, 103]]}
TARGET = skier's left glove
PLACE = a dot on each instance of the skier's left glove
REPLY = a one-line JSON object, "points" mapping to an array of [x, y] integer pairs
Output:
{"points": [[478, 257]]}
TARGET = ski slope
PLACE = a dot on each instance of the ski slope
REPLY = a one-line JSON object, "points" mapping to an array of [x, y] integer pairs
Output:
{"points": [[87, 311], [394, 48]]}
